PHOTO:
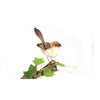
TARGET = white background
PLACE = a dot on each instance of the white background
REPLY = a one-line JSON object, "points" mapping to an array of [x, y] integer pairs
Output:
{"points": [[71, 22]]}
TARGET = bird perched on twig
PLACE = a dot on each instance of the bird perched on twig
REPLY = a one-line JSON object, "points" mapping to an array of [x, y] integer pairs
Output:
{"points": [[49, 49]]}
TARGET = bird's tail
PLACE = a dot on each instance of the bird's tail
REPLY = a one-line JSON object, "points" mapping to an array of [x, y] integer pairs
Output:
{"points": [[39, 35]]}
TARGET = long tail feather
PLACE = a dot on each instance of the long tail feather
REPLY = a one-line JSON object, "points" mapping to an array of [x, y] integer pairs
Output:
{"points": [[40, 36]]}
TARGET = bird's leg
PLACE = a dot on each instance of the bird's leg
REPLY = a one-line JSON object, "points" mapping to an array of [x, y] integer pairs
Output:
{"points": [[48, 58]]}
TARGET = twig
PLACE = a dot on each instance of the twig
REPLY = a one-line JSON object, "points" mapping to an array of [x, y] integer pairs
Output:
{"points": [[51, 65]]}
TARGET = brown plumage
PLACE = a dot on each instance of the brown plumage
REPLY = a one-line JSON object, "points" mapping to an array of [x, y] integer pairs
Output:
{"points": [[47, 45], [44, 45]]}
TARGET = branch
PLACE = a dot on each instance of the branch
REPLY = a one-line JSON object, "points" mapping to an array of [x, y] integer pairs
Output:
{"points": [[51, 65]]}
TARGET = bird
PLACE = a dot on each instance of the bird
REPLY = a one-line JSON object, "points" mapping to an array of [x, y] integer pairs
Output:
{"points": [[49, 49]]}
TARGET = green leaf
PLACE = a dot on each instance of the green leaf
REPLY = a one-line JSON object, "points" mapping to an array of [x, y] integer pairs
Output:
{"points": [[48, 73], [38, 61], [29, 74], [31, 71], [31, 67], [60, 64]]}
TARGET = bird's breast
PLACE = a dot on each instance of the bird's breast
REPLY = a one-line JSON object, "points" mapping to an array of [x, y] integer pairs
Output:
{"points": [[51, 52]]}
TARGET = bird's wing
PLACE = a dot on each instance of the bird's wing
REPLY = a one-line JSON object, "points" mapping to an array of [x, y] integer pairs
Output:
{"points": [[47, 45]]}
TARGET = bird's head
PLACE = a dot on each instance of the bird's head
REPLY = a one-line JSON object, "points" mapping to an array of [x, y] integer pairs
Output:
{"points": [[55, 44]]}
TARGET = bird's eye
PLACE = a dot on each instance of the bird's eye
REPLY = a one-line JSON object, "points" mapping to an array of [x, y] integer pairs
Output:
{"points": [[55, 44]]}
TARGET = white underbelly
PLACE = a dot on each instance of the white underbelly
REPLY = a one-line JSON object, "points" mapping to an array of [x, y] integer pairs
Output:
{"points": [[52, 52]]}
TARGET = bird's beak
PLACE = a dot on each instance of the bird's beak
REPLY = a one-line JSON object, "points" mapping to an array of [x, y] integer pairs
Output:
{"points": [[60, 45]]}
